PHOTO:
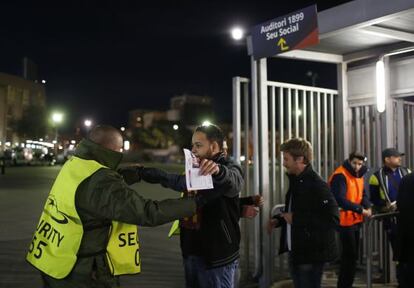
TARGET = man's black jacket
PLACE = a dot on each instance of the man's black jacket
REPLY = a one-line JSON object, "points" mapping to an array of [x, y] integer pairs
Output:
{"points": [[218, 239], [315, 218], [405, 224]]}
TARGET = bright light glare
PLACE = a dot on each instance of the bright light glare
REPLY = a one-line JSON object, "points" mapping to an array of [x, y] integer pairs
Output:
{"points": [[87, 123], [242, 158], [237, 33], [126, 145], [57, 117], [206, 123], [175, 127], [44, 81], [122, 129], [380, 75]]}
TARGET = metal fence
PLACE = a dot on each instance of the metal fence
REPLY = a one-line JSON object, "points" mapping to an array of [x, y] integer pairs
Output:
{"points": [[292, 111]]}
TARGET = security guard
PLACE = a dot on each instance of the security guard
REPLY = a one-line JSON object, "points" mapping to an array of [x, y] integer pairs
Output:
{"points": [[383, 188], [87, 233], [347, 185], [384, 183]]}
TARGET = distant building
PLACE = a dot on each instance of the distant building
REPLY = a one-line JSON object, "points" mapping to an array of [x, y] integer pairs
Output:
{"points": [[190, 110], [136, 118], [16, 94]]}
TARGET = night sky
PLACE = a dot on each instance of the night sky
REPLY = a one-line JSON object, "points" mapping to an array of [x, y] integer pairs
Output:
{"points": [[103, 58]]}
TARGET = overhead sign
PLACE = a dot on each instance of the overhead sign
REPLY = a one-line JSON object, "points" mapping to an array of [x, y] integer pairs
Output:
{"points": [[292, 31]]}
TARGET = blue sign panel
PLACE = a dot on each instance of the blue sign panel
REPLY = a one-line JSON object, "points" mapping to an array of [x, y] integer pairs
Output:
{"points": [[292, 31]]}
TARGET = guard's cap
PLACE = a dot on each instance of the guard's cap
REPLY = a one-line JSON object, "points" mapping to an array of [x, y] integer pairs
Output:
{"points": [[391, 152]]}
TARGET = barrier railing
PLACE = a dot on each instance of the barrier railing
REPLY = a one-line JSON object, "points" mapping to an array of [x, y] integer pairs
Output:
{"points": [[369, 237]]}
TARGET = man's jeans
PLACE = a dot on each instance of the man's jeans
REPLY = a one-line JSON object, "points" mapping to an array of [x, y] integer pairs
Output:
{"points": [[197, 276], [306, 275]]}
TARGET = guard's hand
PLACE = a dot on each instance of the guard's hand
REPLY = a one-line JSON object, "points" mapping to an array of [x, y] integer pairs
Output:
{"points": [[393, 207], [258, 200], [272, 223], [288, 217], [208, 167], [367, 212], [131, 174], [249, 211]]}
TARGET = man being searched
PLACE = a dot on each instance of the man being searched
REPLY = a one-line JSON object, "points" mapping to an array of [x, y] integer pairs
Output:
{"points": [[87, 233], [209, 239], [310, 217], [347, 185], [383, 187]]}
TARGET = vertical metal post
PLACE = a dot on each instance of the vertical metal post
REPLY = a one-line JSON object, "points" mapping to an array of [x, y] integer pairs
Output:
{"points": [[358, 128], [272, 194], [272, 98], [367, 134], [400, 124], [407, 120], [236, 119], [281, 137], [312, 123], [369, 254], [304, 114], [264, 169], [325, 136], [344, 121], [289, 116], [380, 145], [256, 184], [412, 136], [296, 91], [247, 174], [318, 133], [332, 132]]}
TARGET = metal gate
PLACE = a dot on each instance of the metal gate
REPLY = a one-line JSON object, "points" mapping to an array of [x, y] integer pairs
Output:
{"points": [[369, 135], [289, 111]]}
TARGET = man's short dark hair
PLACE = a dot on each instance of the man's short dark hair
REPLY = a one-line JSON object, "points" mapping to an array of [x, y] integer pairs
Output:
{"points": [[213, 133], [298, 147], [357, 155]]}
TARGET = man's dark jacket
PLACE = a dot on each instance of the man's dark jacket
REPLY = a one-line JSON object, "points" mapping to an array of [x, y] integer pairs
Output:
{"points": [[315, 218], [405, 224], [218, 238]]}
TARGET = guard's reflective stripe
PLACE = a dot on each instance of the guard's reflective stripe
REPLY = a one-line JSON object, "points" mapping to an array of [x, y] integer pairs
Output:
{"points": [[123, 249], [354, 193], [58, 235], [175, 229]]}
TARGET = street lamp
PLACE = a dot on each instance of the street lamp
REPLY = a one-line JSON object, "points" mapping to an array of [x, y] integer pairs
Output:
{"points": [[57, 118], [87, 123], [237, 33]]}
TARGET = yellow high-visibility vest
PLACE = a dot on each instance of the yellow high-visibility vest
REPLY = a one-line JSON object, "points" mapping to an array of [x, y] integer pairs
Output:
{"points": [[58, 235]]}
